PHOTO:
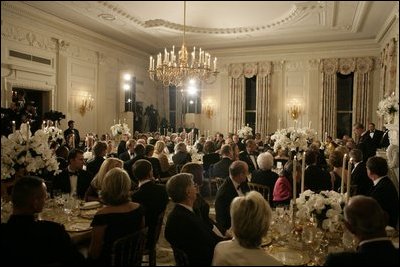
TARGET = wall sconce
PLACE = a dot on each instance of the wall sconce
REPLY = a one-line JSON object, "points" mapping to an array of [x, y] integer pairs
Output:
{"points": [[208, 109], [294, 109], [87, 104]]}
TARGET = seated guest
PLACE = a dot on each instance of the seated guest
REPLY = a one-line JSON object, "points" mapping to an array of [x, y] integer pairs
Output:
{"points": [[99, 151], [92, 193], [250, 155], [110, 150], [181, 156], [159, 153], [26, 241], [251, 217], [152, 196], [210, 157], [62, 157], [383, 189], [139, 151], [235, 186], [120, 216], [365, 219], [238, 142], [184, 229], [315, 178], [359, 176], [122, 144], [200, 144], [73, 180], [221, 168], [283, 189], [149, 150], [130, 151], [264, 175], [336, 161]]}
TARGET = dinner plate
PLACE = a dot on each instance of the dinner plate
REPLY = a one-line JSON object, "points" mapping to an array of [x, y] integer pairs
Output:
{"points": [[88, 214], [266, 240], [91, 205], [78, 227], [289, 256]]}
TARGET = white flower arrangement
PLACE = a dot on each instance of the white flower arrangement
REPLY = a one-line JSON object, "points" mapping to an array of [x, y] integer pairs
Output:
{"points": [[327, 207], [54, 133], [388, 107], [245, 131], [196, 157], [22, 150], [119, 129], [293, 138]]}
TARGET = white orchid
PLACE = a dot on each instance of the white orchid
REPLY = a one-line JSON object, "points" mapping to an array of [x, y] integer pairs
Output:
{"points": [[119, 129], [388, 107], [294, 139], [245, 131]]}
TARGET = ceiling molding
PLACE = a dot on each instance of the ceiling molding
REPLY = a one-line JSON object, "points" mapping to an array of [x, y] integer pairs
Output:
{"points": [[387, 25], [359, 16]]}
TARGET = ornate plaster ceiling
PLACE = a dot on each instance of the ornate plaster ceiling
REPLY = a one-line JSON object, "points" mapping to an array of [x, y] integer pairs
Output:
{"points": [[152, 25]]}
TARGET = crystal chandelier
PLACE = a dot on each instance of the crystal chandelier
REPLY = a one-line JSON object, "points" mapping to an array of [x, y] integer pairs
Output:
{"points": [[173, 70]]}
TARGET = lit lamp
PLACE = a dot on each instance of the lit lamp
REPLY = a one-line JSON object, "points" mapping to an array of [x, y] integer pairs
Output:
{"points": [[86, 105], [208, 110], [294, 109], [175, 69]]}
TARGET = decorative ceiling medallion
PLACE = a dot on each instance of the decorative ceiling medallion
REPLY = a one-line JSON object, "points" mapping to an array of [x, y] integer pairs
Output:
{"points": [[106, 16]]}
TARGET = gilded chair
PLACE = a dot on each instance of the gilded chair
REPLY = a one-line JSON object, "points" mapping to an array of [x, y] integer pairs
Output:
{"points": [[262, 189], [128, 250]]}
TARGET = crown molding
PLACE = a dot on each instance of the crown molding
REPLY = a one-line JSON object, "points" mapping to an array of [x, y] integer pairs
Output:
{"points": [[66, 27], [388, 24]]}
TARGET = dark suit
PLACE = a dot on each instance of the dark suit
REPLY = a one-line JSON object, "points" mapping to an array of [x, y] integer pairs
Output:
{"points": [[221, 168], [154, 199], [384, 140], [125, 156], [187, 231], [155, 164], [360, 179], [180, 159], [121, 147], [209, 159], [63, 183], [244, 156], [376, 138], [265, 177], [377, 253], [93, 165], [27, 242], [77, 137], [317, 179], [225, 195], [128, 166], [386, 194], [366, 145]]}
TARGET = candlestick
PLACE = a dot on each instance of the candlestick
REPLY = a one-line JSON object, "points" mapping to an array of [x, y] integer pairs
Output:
{"points": [[309, 125], [348, 179], [303, 169], [27, 135], [343, 172], [124, 120], [279, 124], [73, 140], [294, 178], [56, 124], [119, 121], [43, 124], [114, 121], [13, 126]]}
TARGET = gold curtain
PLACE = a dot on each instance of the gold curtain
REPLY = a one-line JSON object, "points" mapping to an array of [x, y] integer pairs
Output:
{"points": [[388, 66]]}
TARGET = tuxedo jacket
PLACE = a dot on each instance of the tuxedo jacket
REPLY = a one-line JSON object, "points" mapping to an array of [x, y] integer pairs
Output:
{"points": [[187, 231], [62, 182], [121, 147], [386, 194], [128, 166], [125, 156], [93, 165], [359, 178], [29, 242], [265, 177], [316, 179], [221, 168], [225, 195], [208, 160], [244, 156], [384, 140], [377, 253], [366, 145], [376, 139], [77, 137]]}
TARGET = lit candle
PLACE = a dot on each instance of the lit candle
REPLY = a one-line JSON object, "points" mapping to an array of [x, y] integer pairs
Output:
{"points": [[48, 123], [43, 125], [124, 120], [309, 125], [294, 179], [343, 172], [215, 64], [279, 124], [295, 124], [13, 126], [114, 121], [348, 179], [73, 140], [303, 169], [119, 121], [151, 59], [56, 124]]}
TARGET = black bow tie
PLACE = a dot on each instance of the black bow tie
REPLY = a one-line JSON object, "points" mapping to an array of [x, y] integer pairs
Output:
{"points": [[73, 173]]}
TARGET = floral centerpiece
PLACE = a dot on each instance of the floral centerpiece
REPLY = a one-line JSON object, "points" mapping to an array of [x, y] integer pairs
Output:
{"points": [[55, 133], [245, 131], [119, 129], [326, 207], [22, 150], [196, 157], [293, 139], [388, 107]]}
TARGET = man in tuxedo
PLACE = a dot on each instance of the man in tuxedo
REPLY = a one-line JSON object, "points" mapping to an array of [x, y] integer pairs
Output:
{"points": [[359, 177], [250, 155], [152, 196], [99, 151], [376, 135], [184, 229], [130, 152], [73, 179], [221, 168], [122, 144], [71, 130], [235, 185], [383, 190], [364, 217], [364, 141], [139, 151], [26, 241], [384, 143], [238, 142]]}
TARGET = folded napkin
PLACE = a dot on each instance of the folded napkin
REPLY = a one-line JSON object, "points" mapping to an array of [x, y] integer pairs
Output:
{"points": [[91, 205]]}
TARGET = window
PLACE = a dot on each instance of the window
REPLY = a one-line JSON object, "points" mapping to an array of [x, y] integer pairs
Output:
{"points": [[172, 106], [344, 104], [250, 112]]}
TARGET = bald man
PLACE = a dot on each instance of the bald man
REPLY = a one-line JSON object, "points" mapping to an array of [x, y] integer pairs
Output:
{"points": [[365, 218]]}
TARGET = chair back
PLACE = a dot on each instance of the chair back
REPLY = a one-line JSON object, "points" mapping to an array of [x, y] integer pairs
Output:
{"points": [[152, 241], [128, 250], [181, 258], [262, 189], [219, 181]]}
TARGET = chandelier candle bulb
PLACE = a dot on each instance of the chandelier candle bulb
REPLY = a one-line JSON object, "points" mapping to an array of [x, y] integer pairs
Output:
{"points": [[343, 172], [303, 169], [13, 126], [294, 179]]}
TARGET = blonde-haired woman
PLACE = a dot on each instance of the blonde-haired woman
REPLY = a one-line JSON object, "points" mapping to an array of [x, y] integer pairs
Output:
{"points": [[251, 216], [92, 193], [159, 153], [120, 217]]}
